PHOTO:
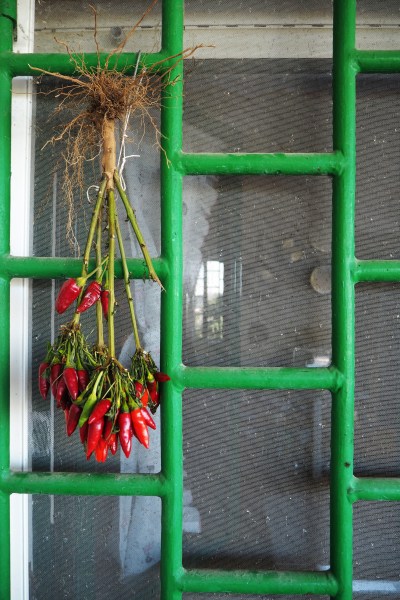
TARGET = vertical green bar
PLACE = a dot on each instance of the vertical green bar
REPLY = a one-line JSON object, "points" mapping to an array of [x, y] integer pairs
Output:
{"points": [[6, 33], [171, 308], [344, 125]]}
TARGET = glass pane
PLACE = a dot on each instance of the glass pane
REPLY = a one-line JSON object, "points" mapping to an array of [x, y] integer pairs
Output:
{"points": [[378, 177], [73, 23], [377, 25], [258, 106], [377, 420], [257, 271], [51, 449], [256, 485], [95, 548], [376, 554]]}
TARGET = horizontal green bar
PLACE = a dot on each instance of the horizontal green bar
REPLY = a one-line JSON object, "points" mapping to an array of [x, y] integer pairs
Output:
{"points": [[378, 61], [258, 378], [55, 268], [20, 64], [260, 164], [83, 484], [376, 270], [375, 488], [252, 582]]}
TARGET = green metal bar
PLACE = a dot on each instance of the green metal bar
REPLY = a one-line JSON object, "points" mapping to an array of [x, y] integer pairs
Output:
{"points": [[54, 268], [376, 270], [171, 305], [252, 582], [375, 488], [344, 128], [377, 61], [6, 38], [83, 484], [258, 378], [20, 64], [261, 164]]}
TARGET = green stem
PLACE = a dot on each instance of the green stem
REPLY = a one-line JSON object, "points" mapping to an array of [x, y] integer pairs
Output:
{"points": [[125, 271], [111, 264], [89, 240], [99, 276], [132, 218]]}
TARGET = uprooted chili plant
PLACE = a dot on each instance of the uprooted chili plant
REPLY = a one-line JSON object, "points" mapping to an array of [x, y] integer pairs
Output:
{"points": [[107, 401]]}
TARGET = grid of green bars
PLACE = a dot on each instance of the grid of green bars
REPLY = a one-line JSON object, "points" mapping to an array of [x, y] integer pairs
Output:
{"points": [[339, 378]]}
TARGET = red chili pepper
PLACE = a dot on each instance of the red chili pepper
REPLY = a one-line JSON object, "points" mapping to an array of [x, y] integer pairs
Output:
{"points": [[100, 410], [141, 393], [62, 392], [65, 402], [44, 383], [140, 427], [68, 293], [95, 430], [124, 422], [55, 373], [83, 379], [83, 432], [90, 297], [107, 429], [71, 380], [148, 419], [66, 414], [154, 395], [105, 300], [113, 443], [101, 450], [72, 423], [161, 377]]}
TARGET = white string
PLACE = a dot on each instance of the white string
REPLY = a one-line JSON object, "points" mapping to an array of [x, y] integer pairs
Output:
{"points": [[96, 187]]}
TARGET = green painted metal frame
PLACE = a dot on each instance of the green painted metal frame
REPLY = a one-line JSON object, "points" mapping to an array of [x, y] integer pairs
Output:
{"points": [[346, 272]]}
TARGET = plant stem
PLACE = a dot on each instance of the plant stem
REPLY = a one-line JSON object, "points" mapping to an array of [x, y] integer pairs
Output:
{"points": [[132, 218], [111, 260], [99, 310], [89, 240], [126, 282]]}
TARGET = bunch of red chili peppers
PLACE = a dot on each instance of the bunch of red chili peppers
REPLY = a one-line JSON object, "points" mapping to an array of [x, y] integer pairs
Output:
{"points": [[108, 402]]}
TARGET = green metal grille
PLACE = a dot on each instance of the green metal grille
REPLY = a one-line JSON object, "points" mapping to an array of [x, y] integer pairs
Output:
{"points": [[338, 379]]}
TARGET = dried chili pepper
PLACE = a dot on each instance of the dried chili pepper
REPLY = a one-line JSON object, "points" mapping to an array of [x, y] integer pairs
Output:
{"points": [[107, 429], [73, 419], [83, 432], [68, 293], [140, 427], [125, 438], [148, 418], [44, 383], [105, 301], [55, 373], [113, 443], [95, 430], [100, 410], [70, 377], [62, 392], [161, 377], [101, 450], [83, 379], [90, 297]]}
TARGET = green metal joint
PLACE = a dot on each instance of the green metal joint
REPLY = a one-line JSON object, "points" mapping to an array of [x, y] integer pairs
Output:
{"points": [[8, 9], [374, 489], [83, 484], [258, 582], [58, 267]]}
